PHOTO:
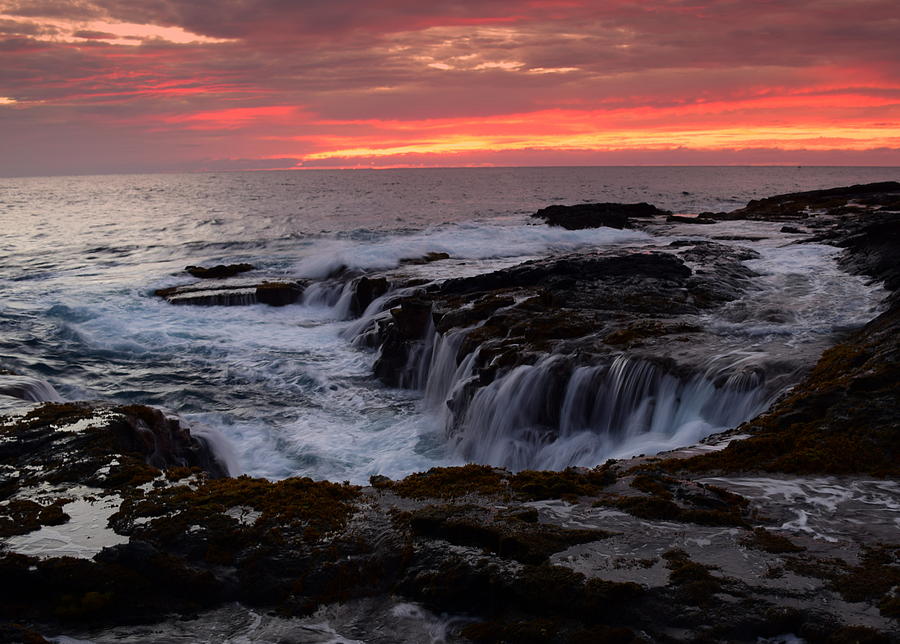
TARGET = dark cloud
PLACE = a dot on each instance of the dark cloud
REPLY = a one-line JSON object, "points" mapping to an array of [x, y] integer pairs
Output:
{"points": [[68, 9], [88, 34], [22, 28]]}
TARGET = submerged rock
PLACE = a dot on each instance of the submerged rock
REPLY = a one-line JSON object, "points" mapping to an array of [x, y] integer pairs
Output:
{"points": [[427, 258]]}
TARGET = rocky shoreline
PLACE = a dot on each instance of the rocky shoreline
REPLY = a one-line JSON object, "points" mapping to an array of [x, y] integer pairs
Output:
{"points": [[785, 525]]}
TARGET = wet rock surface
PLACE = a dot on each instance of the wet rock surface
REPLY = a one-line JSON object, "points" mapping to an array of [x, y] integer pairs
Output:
{"points": [[833, 202], [622, 552], [218, 292], [595, 215], [787, 524]]}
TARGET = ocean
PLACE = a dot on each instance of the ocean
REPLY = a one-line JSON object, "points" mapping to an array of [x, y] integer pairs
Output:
{"points": [[285, 390]]}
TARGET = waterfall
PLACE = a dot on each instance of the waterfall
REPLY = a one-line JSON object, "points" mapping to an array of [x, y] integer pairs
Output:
{"points": [[443, 371], [28, 388], [363, 331], [330, 295], [217, 297], [551, 416], [418, 362]]}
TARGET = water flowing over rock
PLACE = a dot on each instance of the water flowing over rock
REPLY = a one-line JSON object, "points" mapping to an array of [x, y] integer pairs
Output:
{"points": [[28, 388], [234, 293], [499, 354]]}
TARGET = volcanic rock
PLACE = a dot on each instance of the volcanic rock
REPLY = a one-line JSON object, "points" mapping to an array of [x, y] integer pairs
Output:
{"points": [[595, 215], [220, 271], [854, 199], [235, 293]]}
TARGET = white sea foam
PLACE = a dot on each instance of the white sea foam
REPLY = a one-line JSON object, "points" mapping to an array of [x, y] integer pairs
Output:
{"points": [[460, 241]]}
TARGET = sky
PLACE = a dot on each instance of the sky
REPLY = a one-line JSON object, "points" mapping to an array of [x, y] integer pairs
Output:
{"points": [[97, 86]]}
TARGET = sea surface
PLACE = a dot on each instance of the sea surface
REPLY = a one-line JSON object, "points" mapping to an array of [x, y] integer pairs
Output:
{"points": [[285, 387]]}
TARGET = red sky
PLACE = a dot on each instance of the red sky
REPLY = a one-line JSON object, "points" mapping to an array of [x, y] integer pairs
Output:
{"points": [[176, 85]]}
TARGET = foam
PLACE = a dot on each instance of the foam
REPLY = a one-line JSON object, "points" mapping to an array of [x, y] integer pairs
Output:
{"points": [[461, 241]]}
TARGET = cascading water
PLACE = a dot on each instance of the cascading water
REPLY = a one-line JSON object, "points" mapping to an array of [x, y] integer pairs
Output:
{"points": [[335, 296], [28, 388], [550, 416]]}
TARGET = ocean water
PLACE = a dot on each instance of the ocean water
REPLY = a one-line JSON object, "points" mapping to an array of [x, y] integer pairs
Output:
{"points": [[286, 387]]}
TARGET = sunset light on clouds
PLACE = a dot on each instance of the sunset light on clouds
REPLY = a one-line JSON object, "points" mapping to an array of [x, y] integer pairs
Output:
{"points": [[175, 85]]}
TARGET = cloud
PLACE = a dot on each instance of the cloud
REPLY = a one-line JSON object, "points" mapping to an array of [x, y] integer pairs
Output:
{"points": [[260, 78]]}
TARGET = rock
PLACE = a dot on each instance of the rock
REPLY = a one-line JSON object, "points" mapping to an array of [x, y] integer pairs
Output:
{"points": [[595, 215], [803, 205], [278, 293], [565, 270], [791, 230], [680, 219], [220, 271], [365, 291], [872, 247], [141, 436], [403, 335], [531, 553], [235, 293]]}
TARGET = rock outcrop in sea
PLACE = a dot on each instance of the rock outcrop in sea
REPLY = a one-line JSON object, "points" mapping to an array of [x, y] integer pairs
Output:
{"points": [[785, 524]]}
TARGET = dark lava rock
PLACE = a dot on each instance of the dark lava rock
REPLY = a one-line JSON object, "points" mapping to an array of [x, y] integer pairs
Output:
{"points": [[71, 442], [243, 293], [801, 205], [566, 270], [525, 310], [595, 215], [679, 219], [459, 540], [220, 271], [872, 246], [278, 293], [365, 291]]}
